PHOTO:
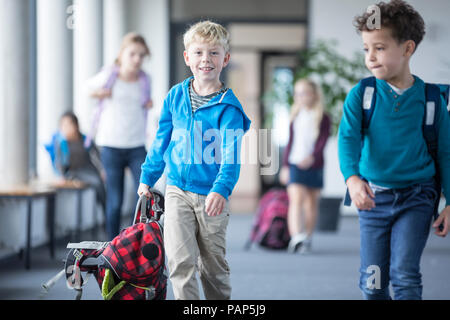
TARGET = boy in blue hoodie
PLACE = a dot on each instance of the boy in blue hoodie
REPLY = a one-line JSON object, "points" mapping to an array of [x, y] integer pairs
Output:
{"points": [[198, 147], [391, 177]]}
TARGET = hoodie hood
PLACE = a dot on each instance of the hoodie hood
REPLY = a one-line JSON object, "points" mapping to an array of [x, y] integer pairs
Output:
{"points": [[228, 98]]}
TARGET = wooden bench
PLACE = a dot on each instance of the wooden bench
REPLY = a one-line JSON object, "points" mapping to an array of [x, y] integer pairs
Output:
{"points": [[30, 192]]}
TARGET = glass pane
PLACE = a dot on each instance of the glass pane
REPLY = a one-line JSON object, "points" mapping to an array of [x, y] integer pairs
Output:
{"points": [[277, 104]]}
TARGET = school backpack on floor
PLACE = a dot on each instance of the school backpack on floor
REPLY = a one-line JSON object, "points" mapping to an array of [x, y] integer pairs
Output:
{"points": [[270, 229], [433, 97], [131, 266]]}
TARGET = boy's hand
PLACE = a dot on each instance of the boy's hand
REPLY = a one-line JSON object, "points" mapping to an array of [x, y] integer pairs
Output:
{"points": [[361, 193], [144, 190], [444, 218], [214, 204]]}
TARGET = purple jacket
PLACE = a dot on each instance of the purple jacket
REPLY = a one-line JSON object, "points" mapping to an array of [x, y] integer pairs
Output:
{"points": [[324, 133]]}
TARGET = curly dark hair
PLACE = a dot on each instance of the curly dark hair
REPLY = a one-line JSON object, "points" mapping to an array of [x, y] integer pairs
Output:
{"points": [[400, 17]]}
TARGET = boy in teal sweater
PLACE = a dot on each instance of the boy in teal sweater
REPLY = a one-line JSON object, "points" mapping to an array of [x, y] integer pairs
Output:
{"points": [[390, 177]]}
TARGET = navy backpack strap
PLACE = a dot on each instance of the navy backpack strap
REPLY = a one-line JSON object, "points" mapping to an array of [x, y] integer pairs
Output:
{"points": [[347, 199], [432, 107], [368, 99], [430, 131], [445, 92]]}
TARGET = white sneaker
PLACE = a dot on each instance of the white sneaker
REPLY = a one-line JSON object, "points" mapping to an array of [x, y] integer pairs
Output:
{"points": [[296, 242], [306, 246]]}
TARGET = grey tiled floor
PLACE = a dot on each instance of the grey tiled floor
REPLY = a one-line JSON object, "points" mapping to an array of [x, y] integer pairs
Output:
{"points": [[330, 271]]}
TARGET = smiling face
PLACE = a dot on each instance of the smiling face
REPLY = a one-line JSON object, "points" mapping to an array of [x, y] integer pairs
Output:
{"points": [[206, 61], [385, 57]]}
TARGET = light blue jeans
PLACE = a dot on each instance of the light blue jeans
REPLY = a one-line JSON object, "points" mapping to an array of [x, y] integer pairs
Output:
{"points": [[393, 236]]}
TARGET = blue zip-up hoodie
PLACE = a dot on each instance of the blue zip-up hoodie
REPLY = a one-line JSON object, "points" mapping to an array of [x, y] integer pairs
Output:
{"points": [[199, 151]]}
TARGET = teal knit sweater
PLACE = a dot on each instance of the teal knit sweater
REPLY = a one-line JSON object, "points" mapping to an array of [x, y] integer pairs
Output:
{"points": [[394, 152]]}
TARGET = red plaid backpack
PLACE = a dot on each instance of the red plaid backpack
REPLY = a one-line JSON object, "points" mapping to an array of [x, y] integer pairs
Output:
{"points": [[132, 265]]}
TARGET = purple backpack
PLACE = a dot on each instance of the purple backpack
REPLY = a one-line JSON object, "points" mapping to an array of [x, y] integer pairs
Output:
{"points": [[144, 81], [270, 228]]}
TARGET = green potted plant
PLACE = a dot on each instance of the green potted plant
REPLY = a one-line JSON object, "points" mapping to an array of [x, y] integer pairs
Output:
{"points": [[334, 72]]}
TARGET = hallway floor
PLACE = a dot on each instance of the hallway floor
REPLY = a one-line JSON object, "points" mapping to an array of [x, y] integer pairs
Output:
{"points": [[329, 272]]}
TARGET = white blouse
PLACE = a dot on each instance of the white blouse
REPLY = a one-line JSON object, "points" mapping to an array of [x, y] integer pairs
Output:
{"points": [[304, 136]]}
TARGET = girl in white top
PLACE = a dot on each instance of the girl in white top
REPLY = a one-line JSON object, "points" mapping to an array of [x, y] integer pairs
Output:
{"points": [[120, 131], [306, 130], [122, 120], [303, 163]]}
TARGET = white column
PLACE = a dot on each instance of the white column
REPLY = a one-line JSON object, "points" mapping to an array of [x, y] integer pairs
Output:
{"points": [[54, 74], [114, 28], [151, 19], [14, 91], [88, 54]]}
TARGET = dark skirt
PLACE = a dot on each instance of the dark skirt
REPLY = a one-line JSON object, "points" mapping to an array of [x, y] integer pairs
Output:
{"points": [[311, 178]]}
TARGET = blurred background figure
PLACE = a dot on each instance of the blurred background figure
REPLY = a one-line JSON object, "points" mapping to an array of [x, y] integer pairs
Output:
{"points": [[123, 92], [72, 161], [303, 162]]}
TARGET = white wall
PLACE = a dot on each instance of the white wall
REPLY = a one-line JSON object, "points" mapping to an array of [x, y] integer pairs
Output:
{"points": [[330, 19], [151, 19], [333, 19]]}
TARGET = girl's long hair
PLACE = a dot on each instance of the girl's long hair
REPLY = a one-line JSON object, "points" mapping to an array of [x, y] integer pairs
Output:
{"points": [[73, 118], [318, 106], [129, 38]]}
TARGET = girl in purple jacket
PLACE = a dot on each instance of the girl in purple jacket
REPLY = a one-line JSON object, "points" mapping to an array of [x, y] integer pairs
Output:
{"points": [[303, 162]]}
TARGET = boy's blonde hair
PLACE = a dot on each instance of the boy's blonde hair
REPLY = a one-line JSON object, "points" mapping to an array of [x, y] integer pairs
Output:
{"points": [[207, 31]]}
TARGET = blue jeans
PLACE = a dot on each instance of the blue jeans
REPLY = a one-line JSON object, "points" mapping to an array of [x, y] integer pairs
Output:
{"points": [[115, 161], [393, 236]]}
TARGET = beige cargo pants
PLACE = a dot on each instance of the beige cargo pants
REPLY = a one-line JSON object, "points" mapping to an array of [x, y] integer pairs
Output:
{"points": [[195, 242]]}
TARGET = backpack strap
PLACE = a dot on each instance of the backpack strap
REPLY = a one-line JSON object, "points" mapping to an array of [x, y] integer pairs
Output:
{"points": [[368, 93], [445, 92], [369, 97], [144, 80], [432, 108], [430, 131]]}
